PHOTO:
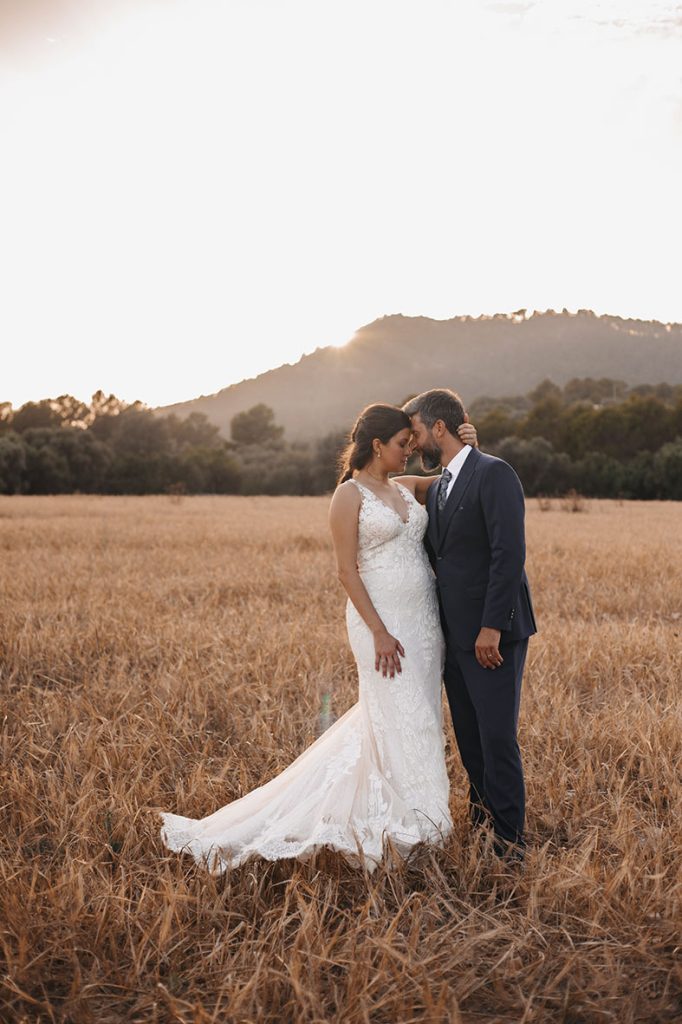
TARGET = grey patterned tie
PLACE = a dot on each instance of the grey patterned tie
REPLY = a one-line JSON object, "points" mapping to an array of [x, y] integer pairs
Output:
{"points": [[441, 497]]}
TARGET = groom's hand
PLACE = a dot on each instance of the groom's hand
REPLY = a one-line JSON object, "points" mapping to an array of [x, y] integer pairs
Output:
{"points": [[487, 648]]}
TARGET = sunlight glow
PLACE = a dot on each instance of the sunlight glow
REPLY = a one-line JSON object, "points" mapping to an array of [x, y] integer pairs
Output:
{"points": [[197, 192]]}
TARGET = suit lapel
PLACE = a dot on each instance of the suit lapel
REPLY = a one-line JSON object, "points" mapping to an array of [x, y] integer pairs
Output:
{"points": [[456, 494]]}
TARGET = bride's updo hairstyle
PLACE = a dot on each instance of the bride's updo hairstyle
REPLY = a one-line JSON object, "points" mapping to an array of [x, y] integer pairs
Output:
{"points": [[382, 421]]}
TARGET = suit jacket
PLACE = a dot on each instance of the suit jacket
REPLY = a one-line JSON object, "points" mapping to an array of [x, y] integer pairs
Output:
{"points": [[477, 549]]}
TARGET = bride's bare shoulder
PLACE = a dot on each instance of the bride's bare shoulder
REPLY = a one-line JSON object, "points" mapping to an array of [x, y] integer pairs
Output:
{"points": [[346, 498]]}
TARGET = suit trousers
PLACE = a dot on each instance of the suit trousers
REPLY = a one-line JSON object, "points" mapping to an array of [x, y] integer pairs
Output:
{"points": [[484, 704]]}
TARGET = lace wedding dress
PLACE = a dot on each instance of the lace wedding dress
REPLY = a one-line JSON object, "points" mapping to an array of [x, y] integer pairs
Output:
{"points": [[377, 772]]}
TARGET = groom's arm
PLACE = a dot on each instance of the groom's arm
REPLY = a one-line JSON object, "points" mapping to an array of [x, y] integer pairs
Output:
{"points": [[503, 508]]}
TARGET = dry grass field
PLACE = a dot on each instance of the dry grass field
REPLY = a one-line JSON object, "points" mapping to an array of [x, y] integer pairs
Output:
{"points": [[172, 654]]}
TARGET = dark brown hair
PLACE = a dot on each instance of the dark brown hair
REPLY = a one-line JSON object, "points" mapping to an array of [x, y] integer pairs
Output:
{"points": [[437, 404], [381, 421]]}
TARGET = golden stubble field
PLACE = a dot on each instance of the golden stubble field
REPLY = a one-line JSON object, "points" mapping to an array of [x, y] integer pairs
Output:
{"points": [[164, 654]]}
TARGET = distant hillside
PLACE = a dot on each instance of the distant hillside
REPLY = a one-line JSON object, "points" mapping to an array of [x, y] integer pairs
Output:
{"points": [[397, 356]]}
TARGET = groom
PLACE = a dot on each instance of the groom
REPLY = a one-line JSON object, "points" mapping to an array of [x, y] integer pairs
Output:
{"points": [[477, 548]]}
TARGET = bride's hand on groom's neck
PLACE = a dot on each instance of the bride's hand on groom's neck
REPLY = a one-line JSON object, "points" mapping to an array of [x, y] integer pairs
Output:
{"points": [[467, 432]]}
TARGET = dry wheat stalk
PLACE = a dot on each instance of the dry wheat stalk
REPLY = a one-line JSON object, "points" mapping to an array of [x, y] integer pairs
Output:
{"points": [[167, 654]]}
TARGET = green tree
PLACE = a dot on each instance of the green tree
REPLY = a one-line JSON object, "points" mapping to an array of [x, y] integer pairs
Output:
{"points": [[6, 413], [545, 420], [575, 432], [640, 478], [104, 413], [325, 461], [47, 469], [587, 389], [88, 458], [494, 426], [106, 405], [545, 391], [599, 476], [194, 431], [63, 460], [632, 426], [137, 431], [668, 470], [143, 473], [671, 394], [12, 464], [540, 469], [222, 472], [514, 405], [676, 419], [71, 411], [35, 415], [255, 426], [64, 411]]}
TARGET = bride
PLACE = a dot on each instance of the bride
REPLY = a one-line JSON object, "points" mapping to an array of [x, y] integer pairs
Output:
{"points": [[379, 772]]}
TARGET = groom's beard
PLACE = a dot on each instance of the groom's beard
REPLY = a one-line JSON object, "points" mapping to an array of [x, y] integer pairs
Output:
{"points": [[430, 458]]}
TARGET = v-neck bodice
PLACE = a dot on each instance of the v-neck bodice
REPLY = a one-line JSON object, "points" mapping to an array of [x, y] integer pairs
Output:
{"points": [[402, 488], [388, 545]]}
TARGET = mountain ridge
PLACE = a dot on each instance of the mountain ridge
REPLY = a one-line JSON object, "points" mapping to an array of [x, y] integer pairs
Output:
{"points": [[395, 356]]}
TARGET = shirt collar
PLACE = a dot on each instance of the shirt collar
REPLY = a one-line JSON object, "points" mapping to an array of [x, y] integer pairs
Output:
{"points": [[456, 464]]}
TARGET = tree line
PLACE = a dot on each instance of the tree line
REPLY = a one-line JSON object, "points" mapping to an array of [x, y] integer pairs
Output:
{"points": [[62, 446], [598, 437]]}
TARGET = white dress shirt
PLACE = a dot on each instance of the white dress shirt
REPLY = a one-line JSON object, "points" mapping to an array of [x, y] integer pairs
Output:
{"points": [[455, 465]]}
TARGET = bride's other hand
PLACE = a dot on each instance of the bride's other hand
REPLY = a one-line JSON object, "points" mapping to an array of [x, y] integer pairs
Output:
{"points": [[467, 432], [388, 651]]}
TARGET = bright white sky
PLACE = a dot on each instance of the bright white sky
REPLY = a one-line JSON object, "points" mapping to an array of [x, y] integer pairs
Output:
{"points": [[194, 191]]}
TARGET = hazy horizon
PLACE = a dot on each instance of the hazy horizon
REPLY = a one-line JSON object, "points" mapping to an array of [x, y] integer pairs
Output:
{"points": [[197, 193], [529, 314]]}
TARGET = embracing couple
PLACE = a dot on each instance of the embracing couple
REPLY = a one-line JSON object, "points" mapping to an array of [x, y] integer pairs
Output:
{"points": [[434, 571]]}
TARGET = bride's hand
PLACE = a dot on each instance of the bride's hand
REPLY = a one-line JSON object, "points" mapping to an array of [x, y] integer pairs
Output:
{"points": [[388, 652], [467, 432]]}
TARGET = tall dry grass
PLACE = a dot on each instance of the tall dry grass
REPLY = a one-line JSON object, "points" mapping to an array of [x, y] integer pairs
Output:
{"points": [[171, 655]]}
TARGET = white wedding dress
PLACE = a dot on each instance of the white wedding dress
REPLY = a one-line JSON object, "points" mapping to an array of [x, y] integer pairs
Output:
{"points": [[379, 771]]}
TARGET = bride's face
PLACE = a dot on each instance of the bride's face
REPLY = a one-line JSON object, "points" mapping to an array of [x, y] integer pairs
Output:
{"points": [[395, 453]]}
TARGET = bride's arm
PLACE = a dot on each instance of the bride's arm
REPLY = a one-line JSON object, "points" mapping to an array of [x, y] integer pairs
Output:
{"points": [[343, 521], [419, 485]]}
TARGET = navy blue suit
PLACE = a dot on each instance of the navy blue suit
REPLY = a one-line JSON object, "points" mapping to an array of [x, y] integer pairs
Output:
{"points": [[477, 550]]}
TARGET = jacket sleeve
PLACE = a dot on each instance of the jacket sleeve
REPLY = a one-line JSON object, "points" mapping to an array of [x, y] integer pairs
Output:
{"points": [[503, 508]]}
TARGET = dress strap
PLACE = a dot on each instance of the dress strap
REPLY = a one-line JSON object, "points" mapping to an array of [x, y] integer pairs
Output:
{"points": [[368, 490], [361, 486], [406, 490]]}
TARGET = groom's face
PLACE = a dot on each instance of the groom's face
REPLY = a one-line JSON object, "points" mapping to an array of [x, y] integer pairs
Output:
{"points": [[425, 443]]}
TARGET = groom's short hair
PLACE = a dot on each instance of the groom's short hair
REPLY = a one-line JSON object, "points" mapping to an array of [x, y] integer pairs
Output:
{"points": [[437, 404]]}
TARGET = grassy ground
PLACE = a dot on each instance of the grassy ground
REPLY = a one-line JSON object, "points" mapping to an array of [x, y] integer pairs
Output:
{"points": [[172, 654]]}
